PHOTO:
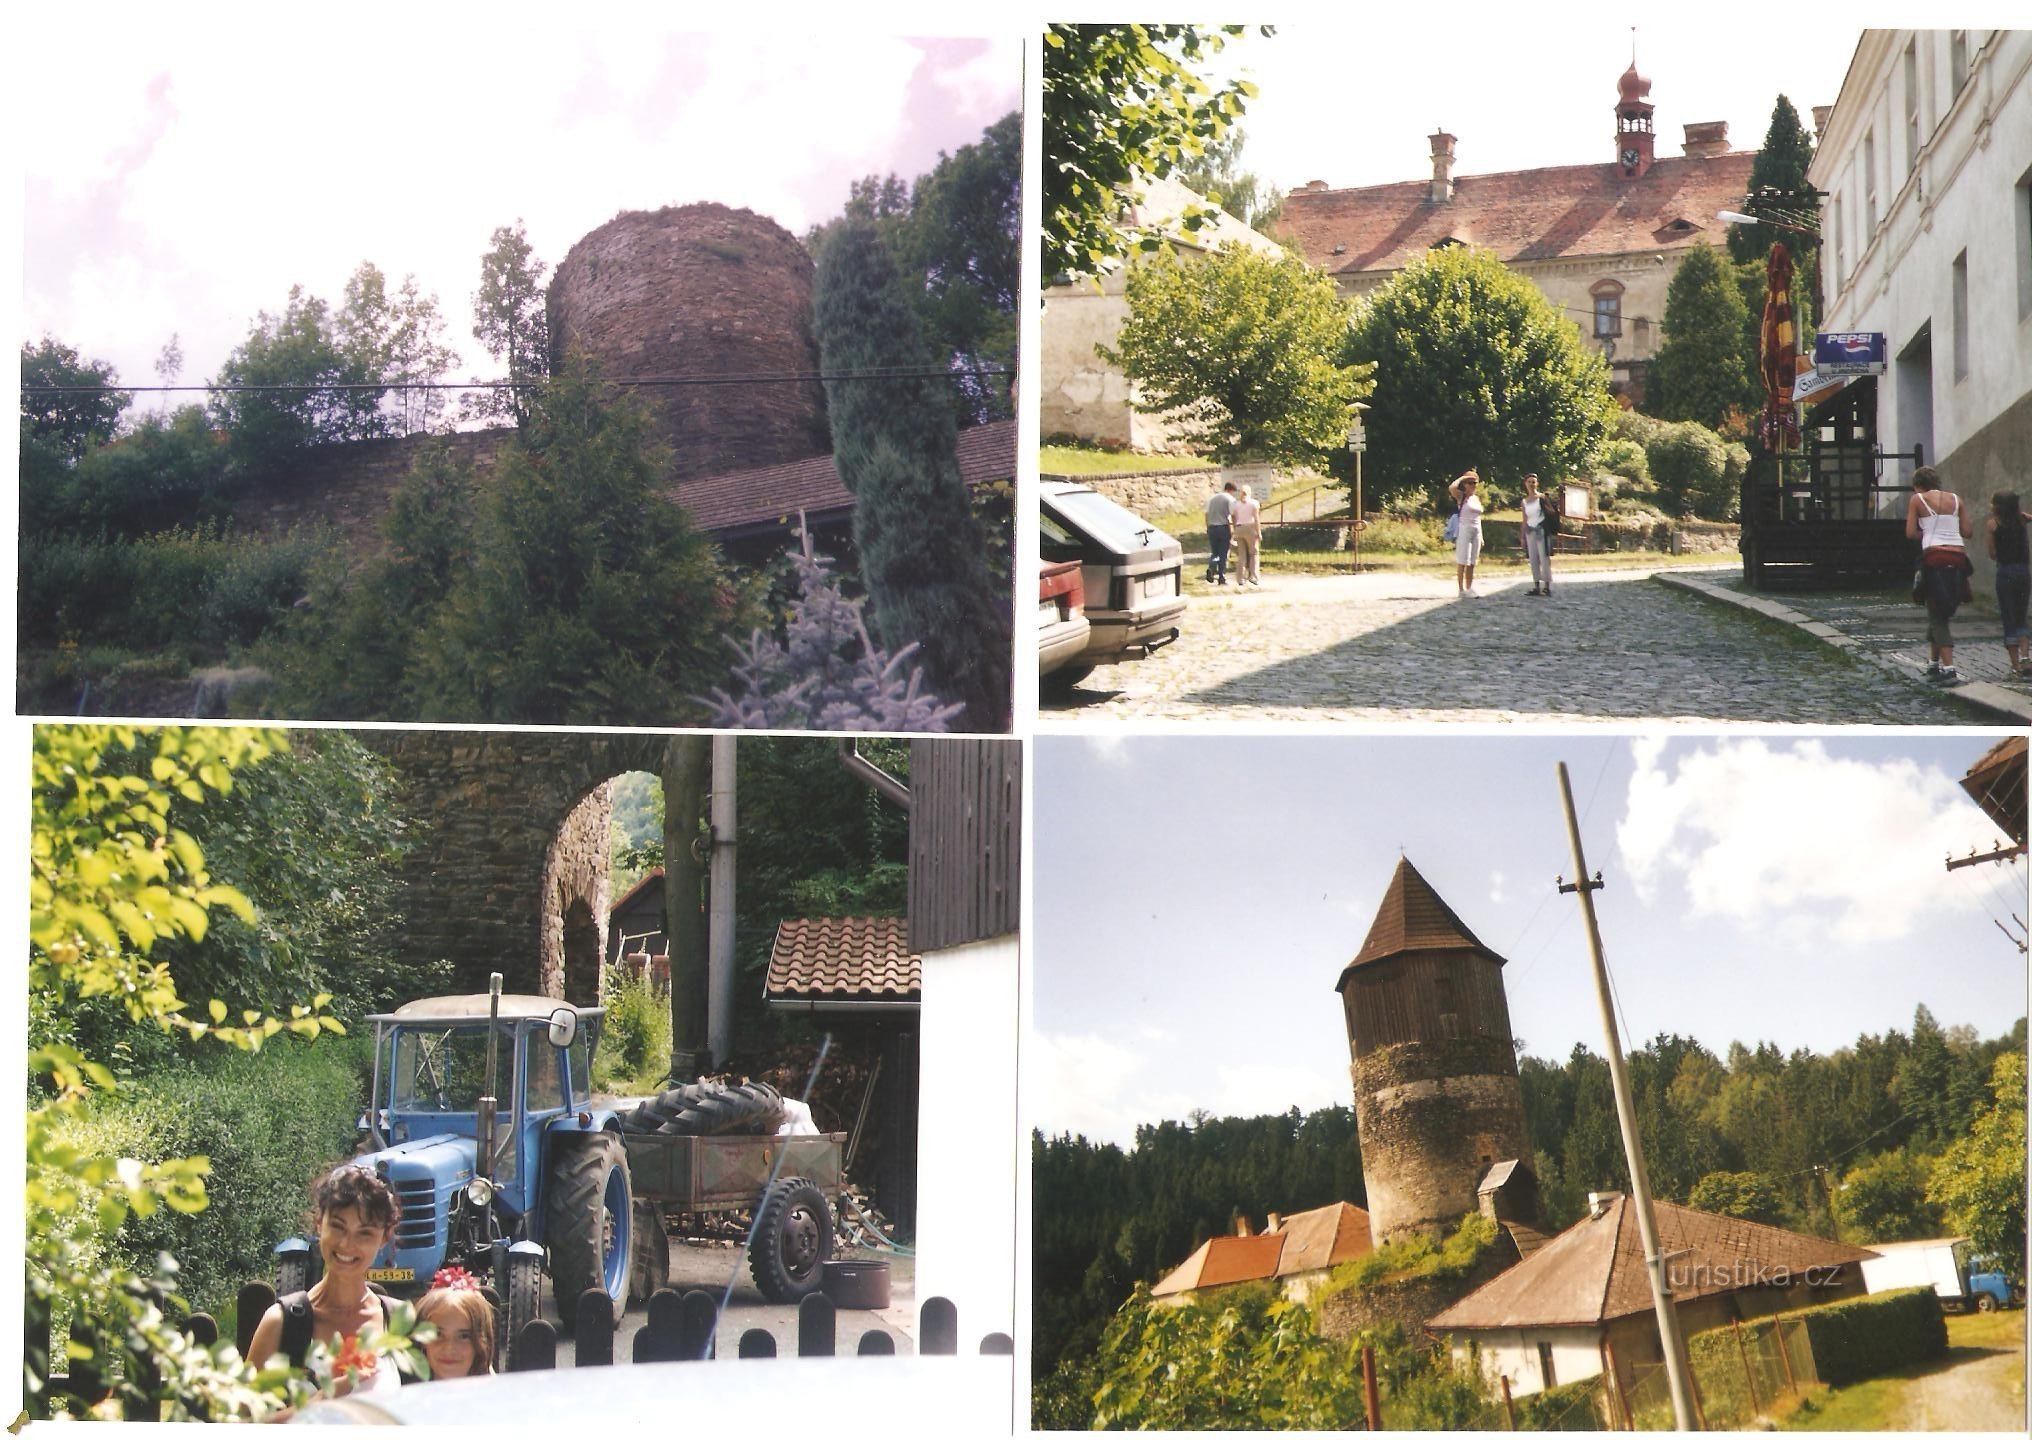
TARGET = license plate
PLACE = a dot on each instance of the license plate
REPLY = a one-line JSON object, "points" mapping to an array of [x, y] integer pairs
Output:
{"points": [[1157, 587], [392, 1273]]}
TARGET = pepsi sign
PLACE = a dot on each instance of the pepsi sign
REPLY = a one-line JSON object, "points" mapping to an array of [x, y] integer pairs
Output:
{"points": [[1849, 352]]}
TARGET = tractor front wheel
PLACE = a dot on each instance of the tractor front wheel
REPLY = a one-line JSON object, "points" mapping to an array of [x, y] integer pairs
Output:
{"points": [[793, 1240], [525, 1298], [588, 1225], [1986, 1302]]}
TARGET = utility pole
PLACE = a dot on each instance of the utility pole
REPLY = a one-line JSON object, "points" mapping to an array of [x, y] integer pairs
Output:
{"points": [[1669, 1338], [720, 905]]}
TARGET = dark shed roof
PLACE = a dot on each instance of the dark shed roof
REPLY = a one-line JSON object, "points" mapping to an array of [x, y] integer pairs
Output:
{"points": [[1997, 783], [1413, 917]]}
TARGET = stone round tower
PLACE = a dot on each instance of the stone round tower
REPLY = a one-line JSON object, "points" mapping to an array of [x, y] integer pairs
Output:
{"points": [[1438, 1105], [700, 291]]}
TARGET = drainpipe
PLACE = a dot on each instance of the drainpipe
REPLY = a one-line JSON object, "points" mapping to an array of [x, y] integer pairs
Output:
{"points": [[874, 776], [720, 905]]}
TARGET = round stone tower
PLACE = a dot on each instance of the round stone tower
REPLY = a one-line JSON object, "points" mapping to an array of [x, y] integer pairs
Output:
{"points": [[1437, 1101], [709, 292]]}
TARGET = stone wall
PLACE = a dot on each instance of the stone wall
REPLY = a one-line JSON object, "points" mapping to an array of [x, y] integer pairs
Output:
{"points": [[511, 830], [1992, 459], [349, 485], [1409, 1300], [701, 291], [1432, 1118], [1166, 492]]}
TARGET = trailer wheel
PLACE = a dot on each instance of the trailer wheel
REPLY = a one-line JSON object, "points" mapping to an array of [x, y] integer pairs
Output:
{"points": [[587, 1224], [751, 1109], [649, 1269], [1986, 1302], [793, 1240], [525, 1298]]}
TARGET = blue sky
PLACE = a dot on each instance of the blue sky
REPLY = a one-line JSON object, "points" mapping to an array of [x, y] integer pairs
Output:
{"points": [[204, 162], [1196, 898]]}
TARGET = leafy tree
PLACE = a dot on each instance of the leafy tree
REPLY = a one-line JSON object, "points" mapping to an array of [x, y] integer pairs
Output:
{"points": [[1694, 471], [1123, 103], [1702, 372], [511, 319], [328, 389], [588, 598], [1743, 1194], [169, 471], [1780, 165], [66, 425], [399, 338], [1218, 175], [1979, 1181], [923, 555], [1884, 1198], [1245, 352], [112, 875], [1475, 368]]}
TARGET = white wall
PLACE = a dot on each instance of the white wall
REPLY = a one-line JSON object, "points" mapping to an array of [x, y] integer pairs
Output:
{"points": [[1576, 1354], [968, 1144]]}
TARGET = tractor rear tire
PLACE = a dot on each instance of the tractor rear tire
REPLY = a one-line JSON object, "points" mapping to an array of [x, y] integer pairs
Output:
{"points": [[580, 1219], [751, 1109], [525, 1301], [793, 1240], [649, 1266]]}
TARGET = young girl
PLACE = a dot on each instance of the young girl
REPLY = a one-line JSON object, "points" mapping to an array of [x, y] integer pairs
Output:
{"points": [[465, 1326]]}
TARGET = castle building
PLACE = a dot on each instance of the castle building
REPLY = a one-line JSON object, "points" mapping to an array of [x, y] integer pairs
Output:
{"points": [[1439, 1109], [1602, 240]]}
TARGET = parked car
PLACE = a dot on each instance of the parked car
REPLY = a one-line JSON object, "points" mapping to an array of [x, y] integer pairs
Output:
{"points": [[1131, 572], [1062, 628]]}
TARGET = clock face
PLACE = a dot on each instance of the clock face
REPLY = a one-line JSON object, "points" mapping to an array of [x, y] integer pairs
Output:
{"points": [[1629, 159]]}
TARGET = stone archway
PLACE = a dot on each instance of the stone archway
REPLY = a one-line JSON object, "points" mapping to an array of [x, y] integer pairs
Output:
{"points": [[511, 833]]}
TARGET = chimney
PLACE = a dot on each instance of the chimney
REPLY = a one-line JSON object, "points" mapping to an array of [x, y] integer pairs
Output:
{"points": [[1441, 191], [1313, 185], [1707, 139], [1820, 114], [1242, 1227], [1598, 1202], [1275, 1224]]}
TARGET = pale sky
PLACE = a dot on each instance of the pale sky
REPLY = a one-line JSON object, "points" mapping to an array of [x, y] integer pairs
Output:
{"points": [[1350, 100], [1197, 897], [186, 167]]}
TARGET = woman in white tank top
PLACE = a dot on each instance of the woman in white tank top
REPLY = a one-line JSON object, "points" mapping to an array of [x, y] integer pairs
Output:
{"points": [[1938, 520]]}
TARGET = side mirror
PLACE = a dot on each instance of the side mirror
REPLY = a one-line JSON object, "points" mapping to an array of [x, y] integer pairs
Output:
{"points": [[564, 1026]]}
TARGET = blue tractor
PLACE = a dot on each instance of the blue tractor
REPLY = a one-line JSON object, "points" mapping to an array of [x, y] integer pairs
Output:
{"points": [[572, 1185], [550, 1192]]}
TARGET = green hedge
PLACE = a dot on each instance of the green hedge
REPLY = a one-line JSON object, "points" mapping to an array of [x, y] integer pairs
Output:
{"points": [[1573, 1406], [1856, 1339], [270, 1123]]}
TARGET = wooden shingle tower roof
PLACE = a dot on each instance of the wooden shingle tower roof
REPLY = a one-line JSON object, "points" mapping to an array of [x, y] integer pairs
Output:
{"points": [[1412, 917]]}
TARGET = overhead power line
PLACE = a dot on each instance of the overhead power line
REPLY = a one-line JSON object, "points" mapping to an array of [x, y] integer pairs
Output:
{"points": [[894, 372]]}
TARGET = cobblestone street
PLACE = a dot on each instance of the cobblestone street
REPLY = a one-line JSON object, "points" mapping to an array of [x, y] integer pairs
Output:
{"points": [[1607, 646]]}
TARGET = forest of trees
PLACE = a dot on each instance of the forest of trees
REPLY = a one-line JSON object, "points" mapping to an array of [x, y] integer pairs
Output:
{"points": [[1755, 1132]]}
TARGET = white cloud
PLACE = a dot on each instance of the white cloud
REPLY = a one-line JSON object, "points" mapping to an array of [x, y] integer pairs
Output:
{"points": [[1789, 838], [1273, 1089], [1107, 746], [1496, 895], [1090, 1085]]}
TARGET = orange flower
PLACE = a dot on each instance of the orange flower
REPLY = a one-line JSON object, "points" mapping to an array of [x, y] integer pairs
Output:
{"points": [[352, 1360]]}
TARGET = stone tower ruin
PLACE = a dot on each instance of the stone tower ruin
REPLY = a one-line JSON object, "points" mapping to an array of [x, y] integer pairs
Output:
{"points": [[1438, 1105], [701, 291]]}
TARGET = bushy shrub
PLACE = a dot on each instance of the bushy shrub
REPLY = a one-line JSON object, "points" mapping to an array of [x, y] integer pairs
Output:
{"points": [[1414, 1255], [1874, 1334], [1573, 1406], [168, 472], [635, 1041], [1690, 464], [270, 1123], [1624, 457]]}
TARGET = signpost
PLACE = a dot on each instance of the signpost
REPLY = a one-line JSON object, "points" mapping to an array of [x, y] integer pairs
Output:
{"points": [[1849, 352], [1358, 442]]}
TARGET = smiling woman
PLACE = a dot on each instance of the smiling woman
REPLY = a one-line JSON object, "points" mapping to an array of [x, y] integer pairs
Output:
{"points": [[356, 1212]]}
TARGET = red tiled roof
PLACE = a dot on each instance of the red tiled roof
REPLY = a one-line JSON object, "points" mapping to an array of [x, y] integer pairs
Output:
{"points": [[1593, 1271], [858, 957], [1224, 1260], [1563, 210], [1413, 917], [1320, 1239], [770, 497]]}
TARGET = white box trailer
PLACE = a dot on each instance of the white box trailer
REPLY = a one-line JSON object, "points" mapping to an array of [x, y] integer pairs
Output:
{"points": [[1939, 1264]]}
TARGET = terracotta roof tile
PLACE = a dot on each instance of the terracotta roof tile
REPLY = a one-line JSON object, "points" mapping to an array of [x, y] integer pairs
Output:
{"points": [[746, 501], [856, 957], [1558, 211], [1593, 1270], [1224, 1260], [1413, 917], [1320, 1239]]}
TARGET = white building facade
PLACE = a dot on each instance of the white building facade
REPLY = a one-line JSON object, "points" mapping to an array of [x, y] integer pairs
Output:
{"points": [[1926, 161]]}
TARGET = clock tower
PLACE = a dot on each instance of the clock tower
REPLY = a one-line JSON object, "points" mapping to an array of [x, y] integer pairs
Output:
{"points": [[1634, 134]]}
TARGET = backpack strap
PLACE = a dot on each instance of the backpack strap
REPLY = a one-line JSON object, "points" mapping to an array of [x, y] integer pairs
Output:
{"points": [[296, 1327]]}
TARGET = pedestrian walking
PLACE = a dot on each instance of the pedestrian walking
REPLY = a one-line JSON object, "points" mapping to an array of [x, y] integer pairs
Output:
{"points": [[1248, 523], [2007, 547], [1541, 523], [1938, 520], [1467, 544], [1220, 510]]}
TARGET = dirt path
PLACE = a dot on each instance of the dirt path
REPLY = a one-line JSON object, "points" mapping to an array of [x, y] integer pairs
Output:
{"points": [[1984, 1391]]}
